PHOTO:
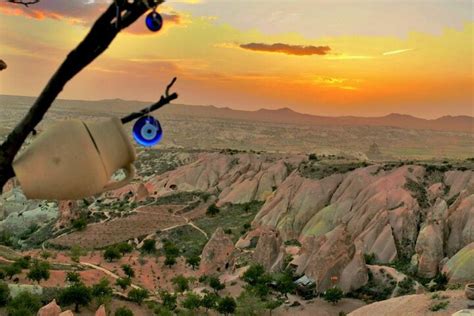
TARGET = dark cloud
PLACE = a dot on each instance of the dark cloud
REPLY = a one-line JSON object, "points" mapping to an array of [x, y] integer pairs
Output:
{"points": [[299, 50]]}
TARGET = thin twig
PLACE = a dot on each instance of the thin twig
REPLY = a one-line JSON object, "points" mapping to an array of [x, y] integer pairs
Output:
{"points": [[165, 99]]}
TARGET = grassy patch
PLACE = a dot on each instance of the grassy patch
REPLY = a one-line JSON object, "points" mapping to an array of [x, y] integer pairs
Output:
{"points": [[189, 240], [434, 307], [314, 169], [233, 217], [418, 191]]}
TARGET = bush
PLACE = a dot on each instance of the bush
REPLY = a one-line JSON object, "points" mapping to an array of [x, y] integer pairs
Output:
{"points": [[193, 261], [124, 248], [181, 283], [170, 261], [79, 223], [123, 311], [438, 306], [112, 253], [226, 305], [77, 294], [333, 295], [370, 258], [215, 284], [149, 246], [123, 283], [102, 291], [138, 295], [128, 270], [39, 271], [4, 293], [212, 210], [73, 277], [24, 304], [209, 301], [255, 274], [192, 301], [168, 300]]}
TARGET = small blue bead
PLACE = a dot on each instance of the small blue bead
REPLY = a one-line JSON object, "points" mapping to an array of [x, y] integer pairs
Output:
{"points": [[147, 131]]}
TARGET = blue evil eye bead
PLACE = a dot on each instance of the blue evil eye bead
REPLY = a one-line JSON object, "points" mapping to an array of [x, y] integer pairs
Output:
{"points": [[147, 131], [154, 21]]}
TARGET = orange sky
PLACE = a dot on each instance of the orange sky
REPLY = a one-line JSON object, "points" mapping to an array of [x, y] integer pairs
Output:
{"points": [[323, 57]]}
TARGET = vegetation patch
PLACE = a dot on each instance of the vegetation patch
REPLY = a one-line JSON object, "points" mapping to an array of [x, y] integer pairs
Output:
{"points": [[233, 218], [188, 239]]}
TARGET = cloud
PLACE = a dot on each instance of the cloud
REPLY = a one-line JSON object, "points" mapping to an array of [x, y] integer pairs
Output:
{"points": [[398, 51], [298, 50]]}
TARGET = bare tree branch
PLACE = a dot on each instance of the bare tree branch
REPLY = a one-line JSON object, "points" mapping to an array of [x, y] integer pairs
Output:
{"points": [[26, 3], [165, 99], [95, 43]]}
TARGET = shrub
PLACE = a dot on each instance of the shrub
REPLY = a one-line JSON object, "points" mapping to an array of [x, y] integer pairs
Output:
{"points": [[333, 295], [123, 311], [168, 300], [73, 277], [138, 295], [112, 253], [24, 304], [212, 210], [128, 270], [102, 291], [209, 301], [4, 293], [77, 294], [124, 248], [181, 283], [39, 271], [79, 223], [370, 258], [226, 305], [438, 306], [149, 246], [215, 284], [193, 261], [123, 283], [192, 301]]}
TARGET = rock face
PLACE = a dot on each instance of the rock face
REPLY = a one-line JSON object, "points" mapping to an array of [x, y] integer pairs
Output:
{"points": [[388, 213], [216, 255], [101, 311], [240, 178], [460, 268], [67, 313], [269, 251], [52, 309], [68, 211]]}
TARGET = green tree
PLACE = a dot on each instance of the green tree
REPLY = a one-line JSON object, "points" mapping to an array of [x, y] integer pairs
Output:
{"points": [[73, 277], [128, 270], [124, 248], [170, 261], [333, 295], [255, 274], [78, 294], [215, 284], [149, 246], [76, 253], [23, 262], [209, 301], [170, 249], [272, 304], [123, 311], [102, 291], [181, 283], [168, 300], [193, 261], [79, 223], [138, 295], [249, 304], [4, 293], [24, 304], [11, 270], [123, 283], [284, 282], [226, 305], [212, 210], [192, 301], [112, 253], [39, 271]]}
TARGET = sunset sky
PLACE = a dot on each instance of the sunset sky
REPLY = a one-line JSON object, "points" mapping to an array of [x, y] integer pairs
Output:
{"points": [[324, 57]]}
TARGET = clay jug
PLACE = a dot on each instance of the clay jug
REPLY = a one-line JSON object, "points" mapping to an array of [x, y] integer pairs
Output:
{"points": [[75, 159]]}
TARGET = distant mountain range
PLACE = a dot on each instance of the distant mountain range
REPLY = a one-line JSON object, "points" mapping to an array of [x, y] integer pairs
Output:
{"points": [[462, 123]]}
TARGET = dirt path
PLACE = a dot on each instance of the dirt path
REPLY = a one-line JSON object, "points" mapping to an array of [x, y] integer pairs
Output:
{"points": [[106, 271]]}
